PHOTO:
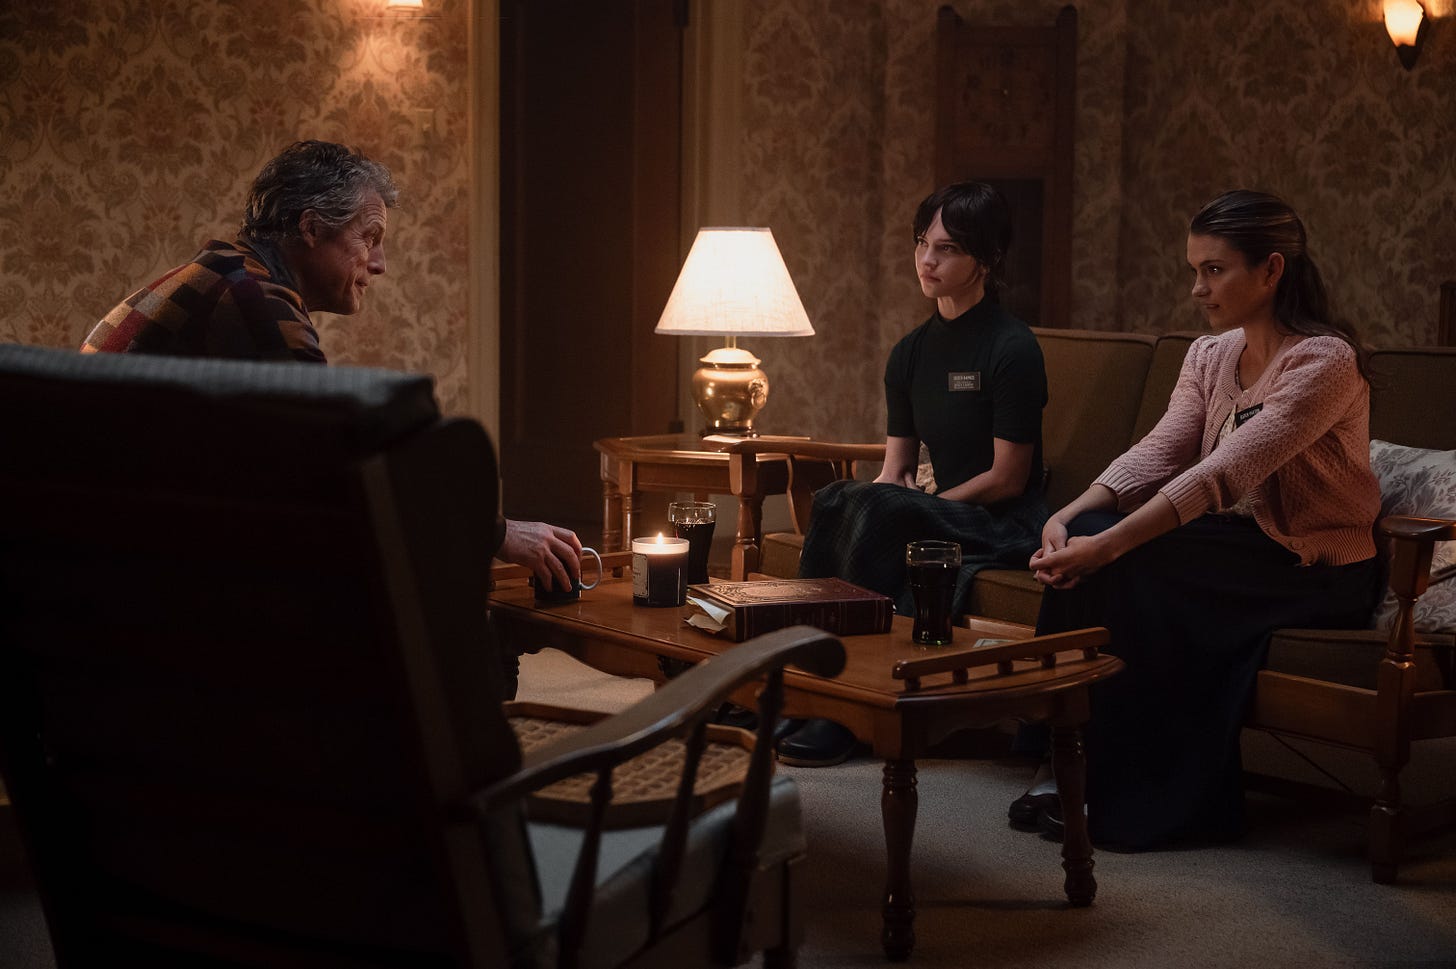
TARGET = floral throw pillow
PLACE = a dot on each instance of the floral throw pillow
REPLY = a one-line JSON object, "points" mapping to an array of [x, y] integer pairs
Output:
{"points": [[1414, 481]]}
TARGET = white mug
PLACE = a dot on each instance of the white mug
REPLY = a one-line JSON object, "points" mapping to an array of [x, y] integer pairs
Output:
{"points": [[552, 594]]}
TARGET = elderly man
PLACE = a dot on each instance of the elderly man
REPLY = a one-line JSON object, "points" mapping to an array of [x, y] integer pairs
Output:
{"points": [[312, 238]]}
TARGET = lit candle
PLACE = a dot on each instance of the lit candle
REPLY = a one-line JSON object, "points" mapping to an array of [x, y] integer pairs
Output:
{"points": [[659, 568]]}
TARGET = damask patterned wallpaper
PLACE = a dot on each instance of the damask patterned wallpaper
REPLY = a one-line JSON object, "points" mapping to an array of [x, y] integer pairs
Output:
{"points": [[1175, 103], [130, 130], [1306, 100]]}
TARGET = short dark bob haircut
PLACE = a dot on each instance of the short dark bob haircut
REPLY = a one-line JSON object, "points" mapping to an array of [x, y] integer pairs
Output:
{"points": [[978, 217]]}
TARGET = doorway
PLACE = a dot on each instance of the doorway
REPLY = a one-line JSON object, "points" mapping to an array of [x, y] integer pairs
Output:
{"points": [[591, 201]]}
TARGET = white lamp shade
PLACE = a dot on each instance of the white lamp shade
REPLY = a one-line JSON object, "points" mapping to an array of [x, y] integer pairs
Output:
{"points": [[405, 4], [1403, 21], [734, 281]]}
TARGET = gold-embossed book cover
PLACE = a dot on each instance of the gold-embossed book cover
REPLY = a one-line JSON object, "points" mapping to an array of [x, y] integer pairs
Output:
{"points": [[834, 605]]}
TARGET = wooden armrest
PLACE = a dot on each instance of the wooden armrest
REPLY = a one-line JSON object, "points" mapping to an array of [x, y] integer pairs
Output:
{"points": [[671, 711], [806, 448], [813, 464], [1001, 655], [1408, 528], [1410, 560]]}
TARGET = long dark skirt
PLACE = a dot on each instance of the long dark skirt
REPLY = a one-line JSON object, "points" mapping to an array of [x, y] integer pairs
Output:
{"points": [[1190, 614], [858, 531]]}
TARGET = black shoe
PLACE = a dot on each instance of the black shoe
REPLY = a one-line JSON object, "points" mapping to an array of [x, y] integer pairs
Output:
{"points": [[732, 715], [1050, 820], [1026, 810], [818, 743], [786, 726]]}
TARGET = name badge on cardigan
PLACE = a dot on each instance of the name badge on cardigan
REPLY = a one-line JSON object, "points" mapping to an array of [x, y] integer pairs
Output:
{"points": [[1246, 413], [964, 381]]}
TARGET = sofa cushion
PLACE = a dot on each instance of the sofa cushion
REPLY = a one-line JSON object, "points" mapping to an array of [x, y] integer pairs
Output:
{"points": [[1011, 595], [779, 554], [1163, 374], [1094, 387], [1412, 396], [1415, 481], [1352, 656]]}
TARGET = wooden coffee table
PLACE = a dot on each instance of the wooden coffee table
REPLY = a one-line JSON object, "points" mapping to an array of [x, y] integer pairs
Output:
{"points": [[897, 697]]}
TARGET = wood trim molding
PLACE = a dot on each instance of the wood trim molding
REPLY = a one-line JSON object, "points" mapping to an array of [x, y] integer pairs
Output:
{"points": [[482, 337], [712, 126], [1446, 318]]}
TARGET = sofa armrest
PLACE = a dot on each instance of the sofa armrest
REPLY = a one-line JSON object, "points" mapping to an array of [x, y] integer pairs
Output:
{"points": [[801, 447], [1412, 543], [812, 465]]}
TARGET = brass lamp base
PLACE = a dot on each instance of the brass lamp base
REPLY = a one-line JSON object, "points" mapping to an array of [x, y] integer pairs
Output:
{"points": [[730, 390]]}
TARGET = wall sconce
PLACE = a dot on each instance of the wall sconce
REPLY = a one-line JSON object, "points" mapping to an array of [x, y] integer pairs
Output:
{"points": [[1405, 21], [405, 6]]}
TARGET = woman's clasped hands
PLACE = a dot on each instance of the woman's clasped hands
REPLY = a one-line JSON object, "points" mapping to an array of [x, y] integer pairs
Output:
{"points": [[1061, 562]]}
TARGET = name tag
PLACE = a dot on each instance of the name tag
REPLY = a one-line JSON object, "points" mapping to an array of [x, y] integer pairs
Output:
{"points": [[1246, 413], [965, 381]]}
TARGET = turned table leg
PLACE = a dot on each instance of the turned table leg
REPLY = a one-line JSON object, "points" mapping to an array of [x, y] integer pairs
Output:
{"points": [[1070, 763], [898, 804], [612, 538]]}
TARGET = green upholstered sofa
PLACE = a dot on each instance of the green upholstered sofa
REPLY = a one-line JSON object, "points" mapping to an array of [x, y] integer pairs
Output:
{"points": [[1350, 687], [1106, 390]]}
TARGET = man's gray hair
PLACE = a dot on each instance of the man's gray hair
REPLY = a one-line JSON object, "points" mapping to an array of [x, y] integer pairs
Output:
{"points": [[331, 179]]}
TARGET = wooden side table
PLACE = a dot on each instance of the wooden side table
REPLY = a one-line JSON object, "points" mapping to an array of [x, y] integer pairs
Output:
{"points": [[675, 463]]}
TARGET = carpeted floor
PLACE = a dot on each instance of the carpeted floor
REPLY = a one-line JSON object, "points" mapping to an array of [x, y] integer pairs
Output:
{"points": [[1295, 891]]}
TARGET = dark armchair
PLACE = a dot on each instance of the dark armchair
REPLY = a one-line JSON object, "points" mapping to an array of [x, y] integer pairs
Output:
{"points": [[250, 700]]}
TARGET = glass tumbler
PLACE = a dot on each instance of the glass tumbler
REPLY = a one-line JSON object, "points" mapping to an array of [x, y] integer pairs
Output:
{"points": [[693, 520], [932, 567]]}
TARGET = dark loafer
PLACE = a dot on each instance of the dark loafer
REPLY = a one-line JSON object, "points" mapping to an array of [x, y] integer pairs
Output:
{"points": [[1026, 810], [818, 743], [786, 726], [732, 715], [1050, 819]]}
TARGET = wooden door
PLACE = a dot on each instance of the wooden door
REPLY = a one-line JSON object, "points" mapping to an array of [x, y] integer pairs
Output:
{"points": [[590, 242], [1006, 116]]}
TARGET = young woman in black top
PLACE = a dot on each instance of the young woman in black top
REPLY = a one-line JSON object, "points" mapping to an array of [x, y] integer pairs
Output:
{"points": [[968, 383]]}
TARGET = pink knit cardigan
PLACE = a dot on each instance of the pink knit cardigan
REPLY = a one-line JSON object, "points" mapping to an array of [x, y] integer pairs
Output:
{"points": [[1303, 459]]}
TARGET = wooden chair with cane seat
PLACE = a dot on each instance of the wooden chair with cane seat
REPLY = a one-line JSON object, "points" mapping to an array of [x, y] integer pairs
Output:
{"points": [[251, 703]]}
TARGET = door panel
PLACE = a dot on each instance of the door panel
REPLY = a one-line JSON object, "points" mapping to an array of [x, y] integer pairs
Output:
{"points": [[590, 213]]}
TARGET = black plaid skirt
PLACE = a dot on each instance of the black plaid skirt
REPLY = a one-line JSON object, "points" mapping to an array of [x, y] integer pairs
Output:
{"points": [[858, 531]]}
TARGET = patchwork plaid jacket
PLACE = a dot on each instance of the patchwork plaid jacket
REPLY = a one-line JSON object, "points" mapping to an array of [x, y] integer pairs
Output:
{"points": [[229, 301]]}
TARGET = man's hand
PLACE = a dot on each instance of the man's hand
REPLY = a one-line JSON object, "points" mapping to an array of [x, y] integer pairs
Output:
{"points": [[551, 552]]}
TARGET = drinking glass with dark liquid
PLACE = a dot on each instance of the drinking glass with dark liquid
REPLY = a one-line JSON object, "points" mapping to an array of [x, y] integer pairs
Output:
{"points": [[932, 567], [693, 520]]}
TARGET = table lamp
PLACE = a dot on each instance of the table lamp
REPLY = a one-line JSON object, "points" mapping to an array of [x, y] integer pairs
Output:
{"points": [[733, 283]]}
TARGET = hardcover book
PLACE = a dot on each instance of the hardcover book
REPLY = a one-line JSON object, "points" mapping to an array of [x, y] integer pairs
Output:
{"points": [[747, 609]]}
